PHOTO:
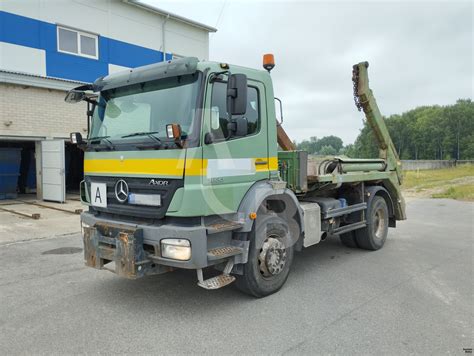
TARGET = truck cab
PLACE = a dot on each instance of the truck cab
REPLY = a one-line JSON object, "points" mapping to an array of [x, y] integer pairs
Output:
{"points": [[181, 170]]}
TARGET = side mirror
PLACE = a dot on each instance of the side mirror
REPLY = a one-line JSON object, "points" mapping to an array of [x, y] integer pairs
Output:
{"points": [[173, 131], [76, 138], [237, 94], [74, 96], [238, 127]]}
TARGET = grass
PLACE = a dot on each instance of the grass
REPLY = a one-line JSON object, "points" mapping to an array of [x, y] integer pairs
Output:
{"points": [[459, 192], [454, 183]]}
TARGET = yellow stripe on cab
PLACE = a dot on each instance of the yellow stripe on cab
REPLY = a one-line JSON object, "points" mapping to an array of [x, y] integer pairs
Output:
{"points": [[162, 166]]}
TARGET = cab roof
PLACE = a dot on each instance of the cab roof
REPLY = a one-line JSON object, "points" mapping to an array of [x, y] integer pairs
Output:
{"points": [[181, 66]]}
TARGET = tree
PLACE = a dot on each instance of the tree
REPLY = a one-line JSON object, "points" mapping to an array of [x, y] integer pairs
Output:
{"points": [[315, 145], [327, 150], [333, 141], [426, 132]]}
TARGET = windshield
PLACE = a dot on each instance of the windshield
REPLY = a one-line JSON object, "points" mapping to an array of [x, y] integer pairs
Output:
{"points": [[145, 109]]}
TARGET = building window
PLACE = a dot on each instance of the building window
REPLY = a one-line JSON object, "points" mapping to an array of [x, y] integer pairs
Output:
{"points": [[77, 42]]}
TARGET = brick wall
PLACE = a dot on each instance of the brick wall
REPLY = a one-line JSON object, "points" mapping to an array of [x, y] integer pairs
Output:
{"points": [[39, 112]]}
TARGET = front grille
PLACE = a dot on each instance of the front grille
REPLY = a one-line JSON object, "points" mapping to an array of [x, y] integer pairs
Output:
{"points": [[138, 186]]}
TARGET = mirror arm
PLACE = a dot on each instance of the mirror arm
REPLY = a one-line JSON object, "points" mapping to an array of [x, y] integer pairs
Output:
{"points": [[91, 104], [229, 131], [179, 143], [91, 87], [231, 128], [89, 115], [208, 138], [215, 76], [90, 100], [90, 111], [281, 111]]}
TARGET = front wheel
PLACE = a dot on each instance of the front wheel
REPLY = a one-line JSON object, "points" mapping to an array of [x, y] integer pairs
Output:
{"points": [[270, 257]]}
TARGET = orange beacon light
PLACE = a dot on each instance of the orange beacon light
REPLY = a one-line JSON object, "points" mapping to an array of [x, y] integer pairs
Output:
{"points": [[268, 62]]}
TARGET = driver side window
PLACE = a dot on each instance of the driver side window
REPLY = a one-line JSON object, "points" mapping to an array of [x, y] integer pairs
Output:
{"points": [[220, 118]]}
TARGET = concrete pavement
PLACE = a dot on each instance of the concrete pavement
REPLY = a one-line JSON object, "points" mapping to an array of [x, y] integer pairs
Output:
{"points": [[52, 222], [413, 296]]}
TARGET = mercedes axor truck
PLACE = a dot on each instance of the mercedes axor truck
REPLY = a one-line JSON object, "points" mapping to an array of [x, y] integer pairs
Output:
{"points": [[187, 166]]}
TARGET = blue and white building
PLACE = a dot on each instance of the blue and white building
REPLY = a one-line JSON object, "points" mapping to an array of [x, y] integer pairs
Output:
{"points": [[48, 47], [81, 40]]}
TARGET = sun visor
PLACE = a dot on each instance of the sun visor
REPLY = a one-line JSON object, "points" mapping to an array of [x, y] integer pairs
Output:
{"points": [[147, 73]]}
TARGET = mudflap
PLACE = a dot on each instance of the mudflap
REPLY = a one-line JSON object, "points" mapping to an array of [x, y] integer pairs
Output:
{"points": [[104, 243]]}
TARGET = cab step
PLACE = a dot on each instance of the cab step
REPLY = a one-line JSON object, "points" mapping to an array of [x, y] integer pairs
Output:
{"points": [[217, 281], [223, 252], [223, 225]]}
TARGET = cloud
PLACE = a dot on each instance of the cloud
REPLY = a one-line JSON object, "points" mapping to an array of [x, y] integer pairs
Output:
{"points": [[420, 53]]}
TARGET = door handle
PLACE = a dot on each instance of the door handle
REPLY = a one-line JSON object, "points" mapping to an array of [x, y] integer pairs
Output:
{"points": [[261, 163]]}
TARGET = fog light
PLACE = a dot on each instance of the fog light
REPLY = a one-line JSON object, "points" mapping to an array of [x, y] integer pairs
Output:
{"points": [[176, 249]]}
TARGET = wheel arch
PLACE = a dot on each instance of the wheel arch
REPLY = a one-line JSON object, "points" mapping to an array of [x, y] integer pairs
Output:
{"points": [[263, 191], [377, 190]]}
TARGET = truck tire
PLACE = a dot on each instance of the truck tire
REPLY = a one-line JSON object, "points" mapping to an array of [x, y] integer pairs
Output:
{"points": [[270, 257], [348, 239], [373, 236]]}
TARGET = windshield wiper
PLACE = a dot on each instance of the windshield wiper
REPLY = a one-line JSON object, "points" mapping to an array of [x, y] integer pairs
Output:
{"points": [[110, 145], [150, 134]]}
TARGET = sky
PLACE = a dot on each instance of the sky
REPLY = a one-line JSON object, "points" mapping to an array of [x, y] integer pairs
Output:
{"points": [[420, 53]]}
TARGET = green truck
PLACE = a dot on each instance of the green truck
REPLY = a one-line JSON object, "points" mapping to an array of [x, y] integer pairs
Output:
{"points": [[186, 166]]}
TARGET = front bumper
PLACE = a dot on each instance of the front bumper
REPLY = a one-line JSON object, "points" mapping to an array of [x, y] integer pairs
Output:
{"points": [[135, 248]]}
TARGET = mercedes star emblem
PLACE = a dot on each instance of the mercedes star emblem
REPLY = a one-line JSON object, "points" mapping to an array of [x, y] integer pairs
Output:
{"points": [[121, 191]]}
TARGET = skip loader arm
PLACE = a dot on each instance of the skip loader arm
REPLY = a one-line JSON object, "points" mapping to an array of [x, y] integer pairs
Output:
{"points": [[365, 100]]}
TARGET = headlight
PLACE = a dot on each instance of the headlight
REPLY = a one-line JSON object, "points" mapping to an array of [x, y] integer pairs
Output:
{"points": [[176, 249]]}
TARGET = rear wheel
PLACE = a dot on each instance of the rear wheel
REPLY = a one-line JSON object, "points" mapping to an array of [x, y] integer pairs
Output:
{"points": [[270, 257], [373, 236]]}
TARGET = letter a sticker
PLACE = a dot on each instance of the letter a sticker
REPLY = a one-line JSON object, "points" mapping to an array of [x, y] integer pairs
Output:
{"points": [[98, 194]]}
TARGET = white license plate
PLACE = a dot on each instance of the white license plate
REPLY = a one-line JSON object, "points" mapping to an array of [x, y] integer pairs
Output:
{"points": [[144, 199], [99, 194]]}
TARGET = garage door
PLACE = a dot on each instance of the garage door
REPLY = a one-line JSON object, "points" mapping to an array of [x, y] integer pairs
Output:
{"points": [[53, 172]]}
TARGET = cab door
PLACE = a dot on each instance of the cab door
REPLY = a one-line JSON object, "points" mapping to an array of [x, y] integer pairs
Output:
{"points": [[233, 164]]}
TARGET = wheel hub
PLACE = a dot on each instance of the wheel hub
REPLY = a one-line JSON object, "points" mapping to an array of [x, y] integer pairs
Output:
{"points": [[379, 223], [272, 258]]}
